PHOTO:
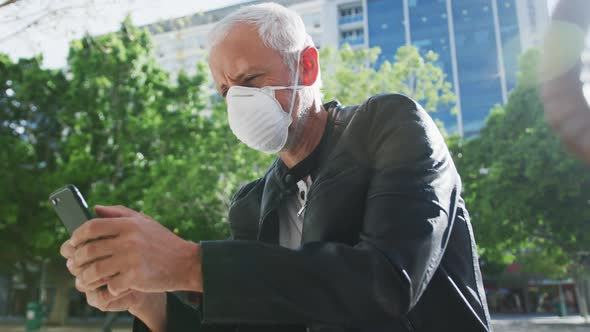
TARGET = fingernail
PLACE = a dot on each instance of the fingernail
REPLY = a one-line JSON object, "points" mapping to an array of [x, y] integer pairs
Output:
{"points": [[69, 263]]}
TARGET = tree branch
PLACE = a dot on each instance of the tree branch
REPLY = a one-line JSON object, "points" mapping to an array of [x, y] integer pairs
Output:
{"points": [[42, 14], [7, 2]]}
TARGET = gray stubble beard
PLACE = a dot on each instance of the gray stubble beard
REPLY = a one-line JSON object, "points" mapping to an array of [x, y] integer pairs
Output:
{"points": [[304, 107]]}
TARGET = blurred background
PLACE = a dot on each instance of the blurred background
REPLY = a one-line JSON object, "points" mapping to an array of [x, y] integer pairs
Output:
{"points": [[116, 98]]}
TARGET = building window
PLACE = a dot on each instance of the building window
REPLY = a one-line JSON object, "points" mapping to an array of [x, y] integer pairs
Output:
{"points": [[350, 14], [352, 34], [460, 39], [422, 43], [482, 37], [352, 37], [352, 11]]}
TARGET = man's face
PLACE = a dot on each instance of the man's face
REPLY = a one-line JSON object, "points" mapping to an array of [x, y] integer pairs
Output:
{"points": [[243, 59]]}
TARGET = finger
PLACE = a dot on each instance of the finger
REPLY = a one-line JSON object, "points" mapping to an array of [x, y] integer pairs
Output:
{"points": [[94, 250], [92, 298], [108, 297], [91, 287], [119, 284], [96, 228], [67, 249], [73, 268], [101, 298], [121, 302], [114, 211], [80, 288], [99, 269]]}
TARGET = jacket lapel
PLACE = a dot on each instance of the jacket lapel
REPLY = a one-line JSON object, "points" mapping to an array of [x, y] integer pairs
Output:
{"points": [[278, 187], [272, 196]]}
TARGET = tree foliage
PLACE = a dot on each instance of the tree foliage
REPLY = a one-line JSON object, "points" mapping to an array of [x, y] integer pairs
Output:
{"points": [[116, 126], [352, 76], [30, 99], [527, 196]]}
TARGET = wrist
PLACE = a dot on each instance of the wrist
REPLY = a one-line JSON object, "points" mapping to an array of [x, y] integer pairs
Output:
{"points": [[151, 310], [192, 273]]}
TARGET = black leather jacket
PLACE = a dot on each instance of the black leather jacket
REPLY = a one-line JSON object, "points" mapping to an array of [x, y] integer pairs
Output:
{"points": [[387, 244]]}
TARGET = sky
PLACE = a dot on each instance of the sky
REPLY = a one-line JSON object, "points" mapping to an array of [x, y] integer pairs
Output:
{"points": [[51, 36]]}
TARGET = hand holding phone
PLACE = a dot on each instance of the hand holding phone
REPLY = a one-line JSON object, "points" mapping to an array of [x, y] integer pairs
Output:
{"points": [[71, 208]]}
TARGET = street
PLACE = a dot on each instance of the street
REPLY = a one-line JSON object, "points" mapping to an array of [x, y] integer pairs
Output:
{"points": [[510, 323], [513, 323]]}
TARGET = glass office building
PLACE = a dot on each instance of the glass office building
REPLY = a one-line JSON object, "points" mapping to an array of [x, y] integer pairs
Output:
{"points": [[478, 42]]}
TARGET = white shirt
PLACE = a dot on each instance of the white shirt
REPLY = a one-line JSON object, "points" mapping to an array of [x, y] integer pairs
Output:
{"points": [[291, 216]]}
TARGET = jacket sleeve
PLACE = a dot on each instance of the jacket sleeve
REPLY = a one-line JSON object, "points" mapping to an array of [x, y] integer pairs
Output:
{"points": [[408, 208], [181, 317]]}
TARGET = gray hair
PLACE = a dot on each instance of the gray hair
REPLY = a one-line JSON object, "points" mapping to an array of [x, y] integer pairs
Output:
{"points": [[279, 28]]}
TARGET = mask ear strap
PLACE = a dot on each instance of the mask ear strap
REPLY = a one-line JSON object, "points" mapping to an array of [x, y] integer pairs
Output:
{"points": [[295, 86]]}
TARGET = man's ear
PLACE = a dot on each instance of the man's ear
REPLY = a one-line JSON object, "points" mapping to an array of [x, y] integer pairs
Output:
{"points": [[310, 66]]}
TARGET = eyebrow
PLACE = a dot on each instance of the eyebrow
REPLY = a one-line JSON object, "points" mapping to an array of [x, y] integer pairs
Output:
{"points": [[241, 77]]}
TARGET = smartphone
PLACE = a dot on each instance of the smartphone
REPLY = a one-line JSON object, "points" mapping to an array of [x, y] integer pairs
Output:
{"points": [[70, 207]]}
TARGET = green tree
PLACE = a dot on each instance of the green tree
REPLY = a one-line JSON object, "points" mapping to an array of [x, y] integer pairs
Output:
{"points": [[116, 126], [30, 99], [527, 196], [161, 148], [352, 76], [192, 188]]}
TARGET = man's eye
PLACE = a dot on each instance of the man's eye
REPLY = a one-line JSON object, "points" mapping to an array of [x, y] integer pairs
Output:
{"points": [[251, 78]]}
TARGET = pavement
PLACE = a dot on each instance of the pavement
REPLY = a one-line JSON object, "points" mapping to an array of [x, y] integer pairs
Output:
{"points": [[508, 323], [522, 323]]}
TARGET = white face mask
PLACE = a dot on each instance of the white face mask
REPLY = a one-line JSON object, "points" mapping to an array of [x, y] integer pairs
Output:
{"points": [[257, 118]]}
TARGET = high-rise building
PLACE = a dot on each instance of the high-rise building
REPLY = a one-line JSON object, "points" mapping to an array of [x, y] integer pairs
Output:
{"points": [[182, 42], [478, 41], [344, 22]]}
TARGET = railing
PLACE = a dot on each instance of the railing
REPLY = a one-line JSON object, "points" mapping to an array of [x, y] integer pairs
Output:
{"points": [[350, 19], [352, 41]]}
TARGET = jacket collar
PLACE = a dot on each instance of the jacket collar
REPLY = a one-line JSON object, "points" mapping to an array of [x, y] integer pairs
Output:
{"points": [[308, 166]]}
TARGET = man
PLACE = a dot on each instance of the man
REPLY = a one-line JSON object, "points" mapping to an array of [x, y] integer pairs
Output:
{"points": [[357, 226], [562, 91]]}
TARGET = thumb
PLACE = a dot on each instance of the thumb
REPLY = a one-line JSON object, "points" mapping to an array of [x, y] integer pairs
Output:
{"points": [[114, 211]]}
